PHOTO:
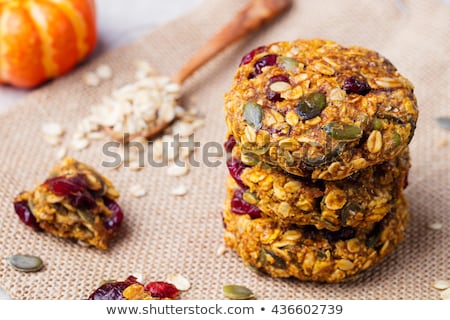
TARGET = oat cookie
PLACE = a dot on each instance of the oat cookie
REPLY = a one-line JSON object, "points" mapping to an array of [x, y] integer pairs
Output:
{"points": [[320, 110], [357, 201], [74, 202], [307, 253]]}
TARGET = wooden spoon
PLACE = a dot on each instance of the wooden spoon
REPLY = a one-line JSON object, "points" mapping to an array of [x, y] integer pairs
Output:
{"points": [[254, 15]]}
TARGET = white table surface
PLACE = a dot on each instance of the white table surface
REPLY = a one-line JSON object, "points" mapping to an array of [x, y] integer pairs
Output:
{"points": [[118, 22]]}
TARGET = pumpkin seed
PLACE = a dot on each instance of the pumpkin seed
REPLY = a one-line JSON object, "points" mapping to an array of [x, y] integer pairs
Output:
{"points": [[377, 124], [444, 122], [25, 263], [289, 64], [258, 151], [237, 292], [397, 139], [250, 197], [253, 114], [343, 132], [311, 106], [274, 260], [441, 284], [86, 215]]}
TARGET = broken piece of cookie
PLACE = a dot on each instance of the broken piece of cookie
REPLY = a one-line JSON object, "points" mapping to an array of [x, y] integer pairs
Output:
{"points": [[75, 202]]}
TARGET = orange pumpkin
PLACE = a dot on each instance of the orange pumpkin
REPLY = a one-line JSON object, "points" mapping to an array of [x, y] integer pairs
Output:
{"points": [[43, 39]]}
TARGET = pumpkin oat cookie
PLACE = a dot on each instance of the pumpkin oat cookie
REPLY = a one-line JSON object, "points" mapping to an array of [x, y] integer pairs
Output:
{"points": [[320, 110], [74, 202], [307, 253], [357, 201]]}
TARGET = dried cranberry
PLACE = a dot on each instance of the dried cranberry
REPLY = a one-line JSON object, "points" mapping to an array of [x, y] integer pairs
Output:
{"points": [[236, 167], [83, 200], [229, 144], [266, 61], [23, 211], [62, 186], [356, 85], [250, 55], [239, 206], [161, 290], [405, 182], [342, 234], [275, 96], [114, 221], [112, 290]]}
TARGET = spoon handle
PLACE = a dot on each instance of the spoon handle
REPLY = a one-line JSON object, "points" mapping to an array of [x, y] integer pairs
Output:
{"points": [[255, 14]]}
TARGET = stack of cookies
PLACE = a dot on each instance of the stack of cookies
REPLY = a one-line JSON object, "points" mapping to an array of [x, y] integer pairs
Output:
{"points": [[318, 159]]}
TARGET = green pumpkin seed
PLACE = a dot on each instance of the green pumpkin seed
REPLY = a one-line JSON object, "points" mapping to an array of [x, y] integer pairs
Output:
{"points": [[343, 132], [349, 211], [311, 106], [316, 161], [250, 197], [289, 64], [321, 255], [397, 139], [86, 215], [275, 260], [253, 114], [444, 122], [25, 263], [237, 292], [377, 124], [257, 151]]}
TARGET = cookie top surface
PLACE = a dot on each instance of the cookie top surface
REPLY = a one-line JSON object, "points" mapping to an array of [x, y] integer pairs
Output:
{"points": [[320, 110]]}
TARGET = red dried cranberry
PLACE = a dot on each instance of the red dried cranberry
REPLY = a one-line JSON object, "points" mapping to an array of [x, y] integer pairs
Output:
{"points": [[250, 55], [355, 85], [161, 290], [114, 221], [236, 167], [83, 200], [62, 186], [239, 206], [342, 234], [229, 144], [112, 290], [25, 214], [405, 182], [275, 96], [266, 61]]}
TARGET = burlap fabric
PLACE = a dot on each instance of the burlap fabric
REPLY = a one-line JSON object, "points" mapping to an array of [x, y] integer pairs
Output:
{"points": [[163, 234]]}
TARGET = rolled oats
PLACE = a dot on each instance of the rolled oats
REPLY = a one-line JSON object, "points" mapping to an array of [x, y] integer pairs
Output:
{"points": [[435, 226], [91, 79], [52, 129], [137, 191], [104, 72], [179, 191], [176, 170], [182, 283]]}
